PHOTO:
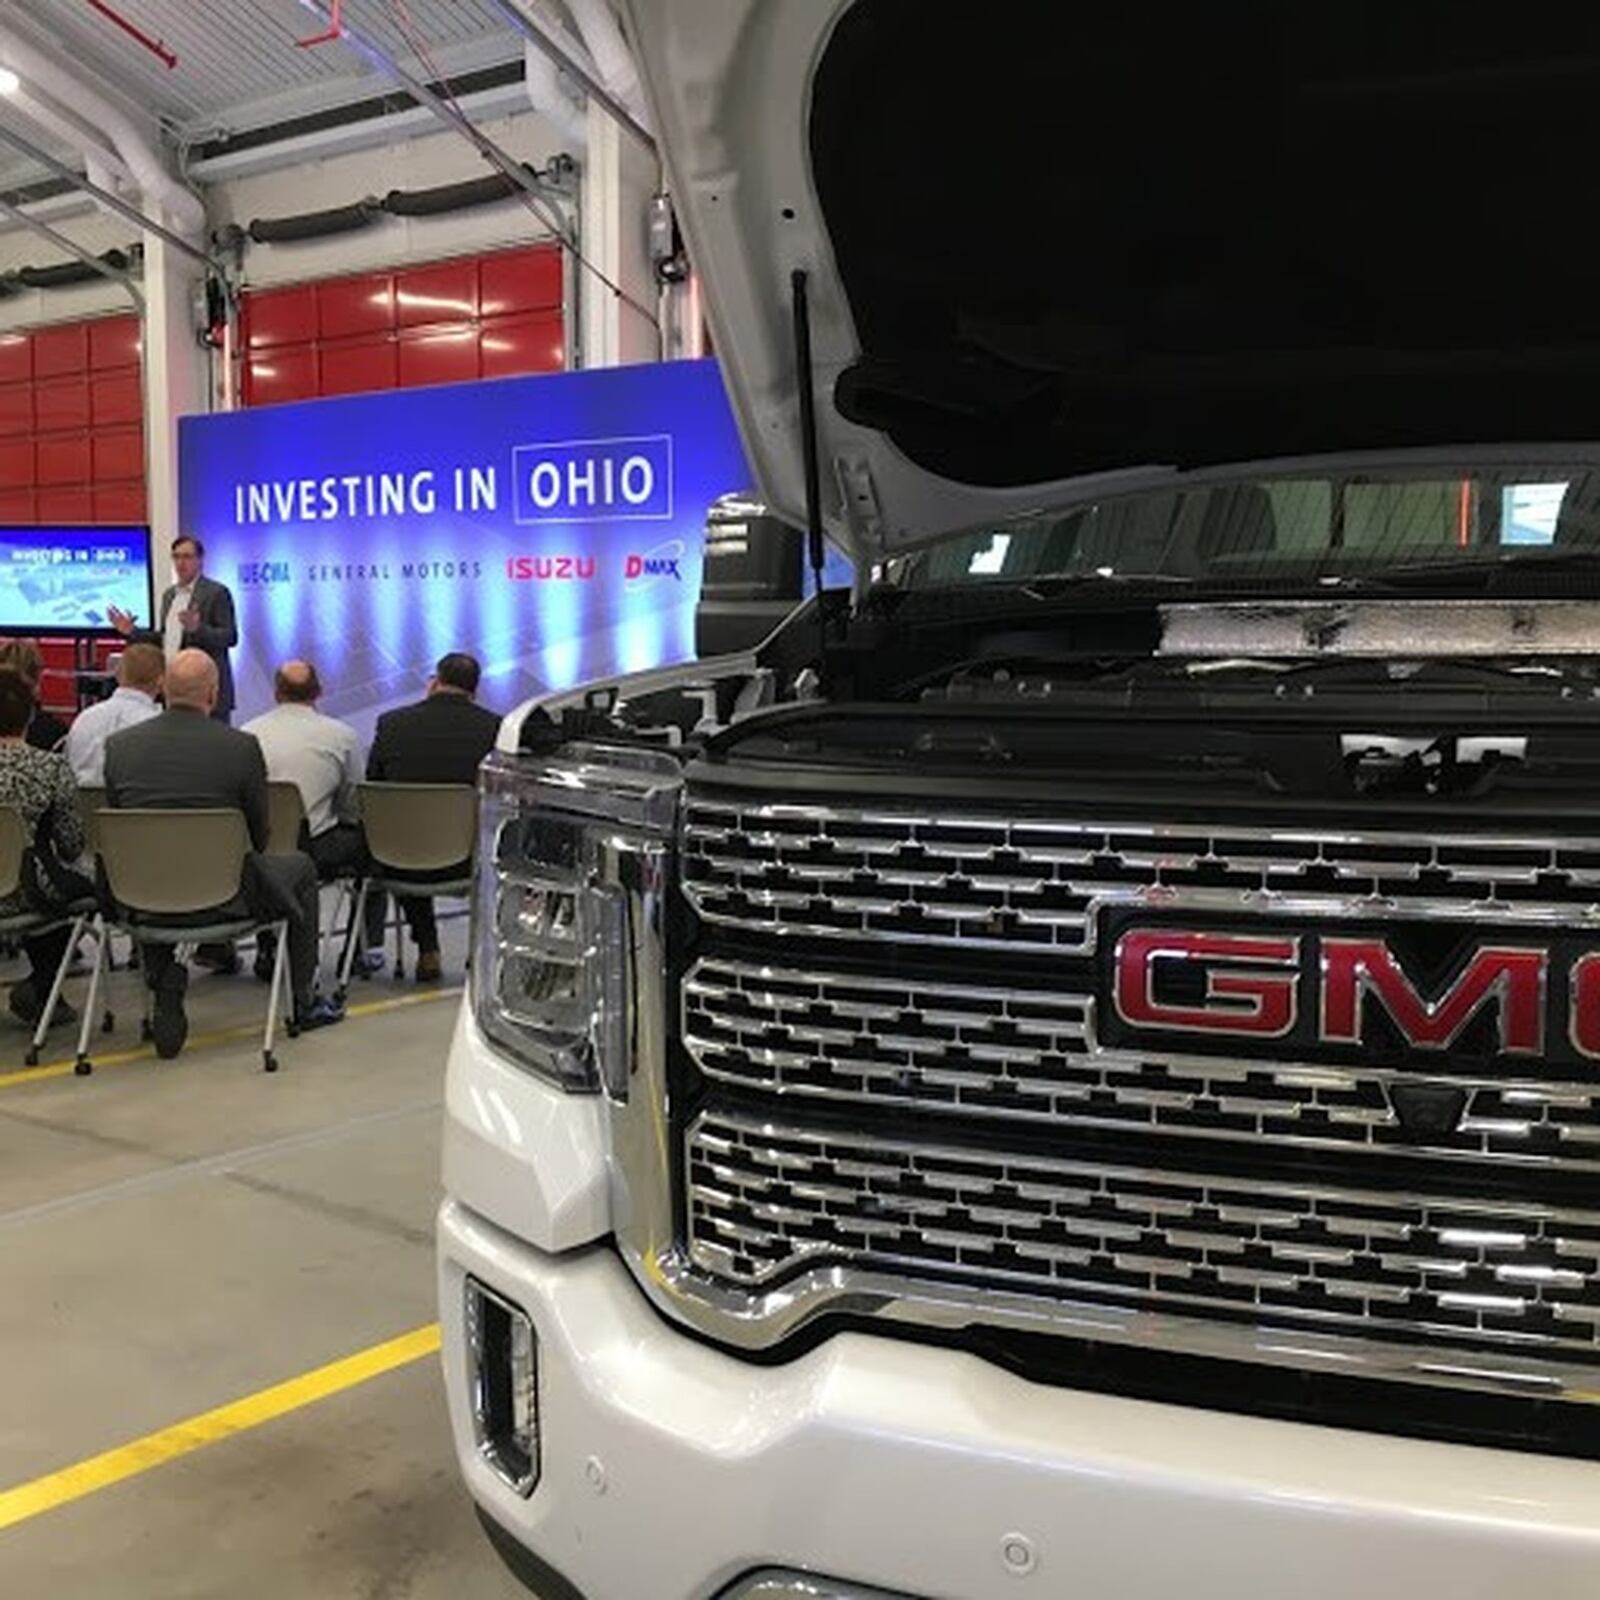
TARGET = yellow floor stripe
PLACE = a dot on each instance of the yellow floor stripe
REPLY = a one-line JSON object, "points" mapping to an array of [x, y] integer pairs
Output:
{"points": [[210, 1427], [198, 1041]]}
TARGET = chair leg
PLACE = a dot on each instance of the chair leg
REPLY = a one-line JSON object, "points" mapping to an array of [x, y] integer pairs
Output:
{"points": [[56, 986], [269, 1062], [399, 940], [82, 1065], [351, 935], [343, 900]]}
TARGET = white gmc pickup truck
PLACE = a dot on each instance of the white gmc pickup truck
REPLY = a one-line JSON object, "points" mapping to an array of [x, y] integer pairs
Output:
{"points": [[1073, 1070]]}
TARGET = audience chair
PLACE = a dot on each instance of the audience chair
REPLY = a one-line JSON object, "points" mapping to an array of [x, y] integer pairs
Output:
{"points": [[174, 877], [413, 830], [90, 801], [286, 816], [14, 840]]}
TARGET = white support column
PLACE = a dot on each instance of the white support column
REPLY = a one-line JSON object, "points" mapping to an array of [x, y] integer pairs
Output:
{"points": [[174, 379], [619, 176]]}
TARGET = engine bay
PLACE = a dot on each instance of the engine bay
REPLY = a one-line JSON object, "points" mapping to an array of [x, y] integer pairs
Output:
{"points": [[1098, 696]]}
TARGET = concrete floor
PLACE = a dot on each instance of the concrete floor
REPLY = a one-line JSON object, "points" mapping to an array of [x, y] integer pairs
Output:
{"points": [[175, 1236]]}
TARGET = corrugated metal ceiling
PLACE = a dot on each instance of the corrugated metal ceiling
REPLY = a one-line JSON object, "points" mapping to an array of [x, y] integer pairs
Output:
{"points": [[238, 65]]}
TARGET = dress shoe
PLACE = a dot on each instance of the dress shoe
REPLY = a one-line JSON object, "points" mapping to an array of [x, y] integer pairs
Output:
{"points": [[169, 1023], [428, 968], [25, 1005]]}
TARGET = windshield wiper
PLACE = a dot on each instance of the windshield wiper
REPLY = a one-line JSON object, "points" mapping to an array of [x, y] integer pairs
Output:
{"points": [[1048, 586], [1408, 574]]}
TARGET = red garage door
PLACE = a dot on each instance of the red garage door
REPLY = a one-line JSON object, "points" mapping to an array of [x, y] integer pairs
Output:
{"points": [[72, 423], [449, 322]]}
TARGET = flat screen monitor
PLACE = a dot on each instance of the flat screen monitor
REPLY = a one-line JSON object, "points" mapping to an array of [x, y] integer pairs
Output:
{"points": [[67, 579]]}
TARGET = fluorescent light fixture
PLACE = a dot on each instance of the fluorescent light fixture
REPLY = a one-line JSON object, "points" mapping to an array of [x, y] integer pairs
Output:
{"points": [[9, 81]]}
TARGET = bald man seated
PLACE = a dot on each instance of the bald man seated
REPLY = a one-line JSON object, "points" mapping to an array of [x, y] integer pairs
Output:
{"points": [[185, 760], [322, 758]]}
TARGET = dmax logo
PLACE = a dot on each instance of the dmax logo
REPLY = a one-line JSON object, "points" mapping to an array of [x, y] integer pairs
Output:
{"points": [[594, 480], [655, 566], [548, 569]]}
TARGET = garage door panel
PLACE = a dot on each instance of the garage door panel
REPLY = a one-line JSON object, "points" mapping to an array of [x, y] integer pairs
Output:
{"points": [[513, 345]]}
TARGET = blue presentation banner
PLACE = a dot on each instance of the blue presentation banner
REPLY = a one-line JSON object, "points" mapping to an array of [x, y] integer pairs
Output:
{"points": [[550, 525]]}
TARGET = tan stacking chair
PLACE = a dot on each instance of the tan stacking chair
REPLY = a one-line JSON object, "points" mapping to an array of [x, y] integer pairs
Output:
{"points": [[173, 876], [412, 829], [286, 819], [90, 800], [286, 816]]}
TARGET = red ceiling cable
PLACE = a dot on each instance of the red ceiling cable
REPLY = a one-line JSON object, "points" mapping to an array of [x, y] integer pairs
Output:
{"points": [[156, 47]]}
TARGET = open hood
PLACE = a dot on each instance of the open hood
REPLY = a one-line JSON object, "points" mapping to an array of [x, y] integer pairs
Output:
{"points": [[1054, 249]]}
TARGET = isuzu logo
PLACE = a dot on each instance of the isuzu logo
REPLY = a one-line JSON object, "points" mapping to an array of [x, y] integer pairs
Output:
{"points": [[1333, 993]]}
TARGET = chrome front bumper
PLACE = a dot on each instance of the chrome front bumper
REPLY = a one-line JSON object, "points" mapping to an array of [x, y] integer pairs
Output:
{"points": [[675, 1471]]}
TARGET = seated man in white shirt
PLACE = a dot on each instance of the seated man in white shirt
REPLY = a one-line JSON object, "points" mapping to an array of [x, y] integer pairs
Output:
{"points": [[139, 676], [322, 757]]}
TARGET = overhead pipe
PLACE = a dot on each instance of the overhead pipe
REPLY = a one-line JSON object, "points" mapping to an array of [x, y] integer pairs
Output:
{"points": [[334, 29], [112, 202], [602, 34], [162, 192], [589, 76], [548, 92], [156, 47], [98, 155], [106, 268]]}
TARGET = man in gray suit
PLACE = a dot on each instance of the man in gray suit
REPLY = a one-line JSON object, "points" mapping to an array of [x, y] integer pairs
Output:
{"points": [[184, 760], [196, 613]]}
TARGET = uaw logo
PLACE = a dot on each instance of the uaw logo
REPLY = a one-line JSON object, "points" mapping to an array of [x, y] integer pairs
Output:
{"points": [[663, 564], [594, 480], [259, 574]]}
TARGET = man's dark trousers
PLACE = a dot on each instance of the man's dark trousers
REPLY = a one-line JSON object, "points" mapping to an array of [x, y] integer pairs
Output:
{"points": [[279, 885], [336, 852]]}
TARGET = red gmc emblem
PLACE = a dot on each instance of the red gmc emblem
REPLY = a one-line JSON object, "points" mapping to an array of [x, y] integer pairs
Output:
{"points": [[1253, 986]]}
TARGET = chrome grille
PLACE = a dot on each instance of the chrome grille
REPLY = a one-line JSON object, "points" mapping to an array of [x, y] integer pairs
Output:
{"points": [[1010, 882], [765, 1199], [904, 1107], [1030, 1054]]}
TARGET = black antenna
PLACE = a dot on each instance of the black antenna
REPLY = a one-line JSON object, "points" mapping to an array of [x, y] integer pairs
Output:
{"points": [[808, 434]]}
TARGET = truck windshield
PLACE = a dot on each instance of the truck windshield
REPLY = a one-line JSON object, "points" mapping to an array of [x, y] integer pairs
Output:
{"points": [[1287, 533]]}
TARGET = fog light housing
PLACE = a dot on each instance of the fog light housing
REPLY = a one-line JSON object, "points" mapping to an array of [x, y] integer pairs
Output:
{"points": [[503, 1357]]}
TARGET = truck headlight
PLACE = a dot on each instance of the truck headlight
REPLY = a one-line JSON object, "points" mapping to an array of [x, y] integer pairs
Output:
{"points": [[572, 860]]}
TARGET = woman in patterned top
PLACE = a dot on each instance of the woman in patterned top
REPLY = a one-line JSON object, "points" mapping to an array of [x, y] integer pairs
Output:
{"points": [[33, 782]]}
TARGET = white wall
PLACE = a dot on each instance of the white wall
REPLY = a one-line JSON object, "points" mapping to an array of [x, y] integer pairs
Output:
{"points": [[421, 163]]}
